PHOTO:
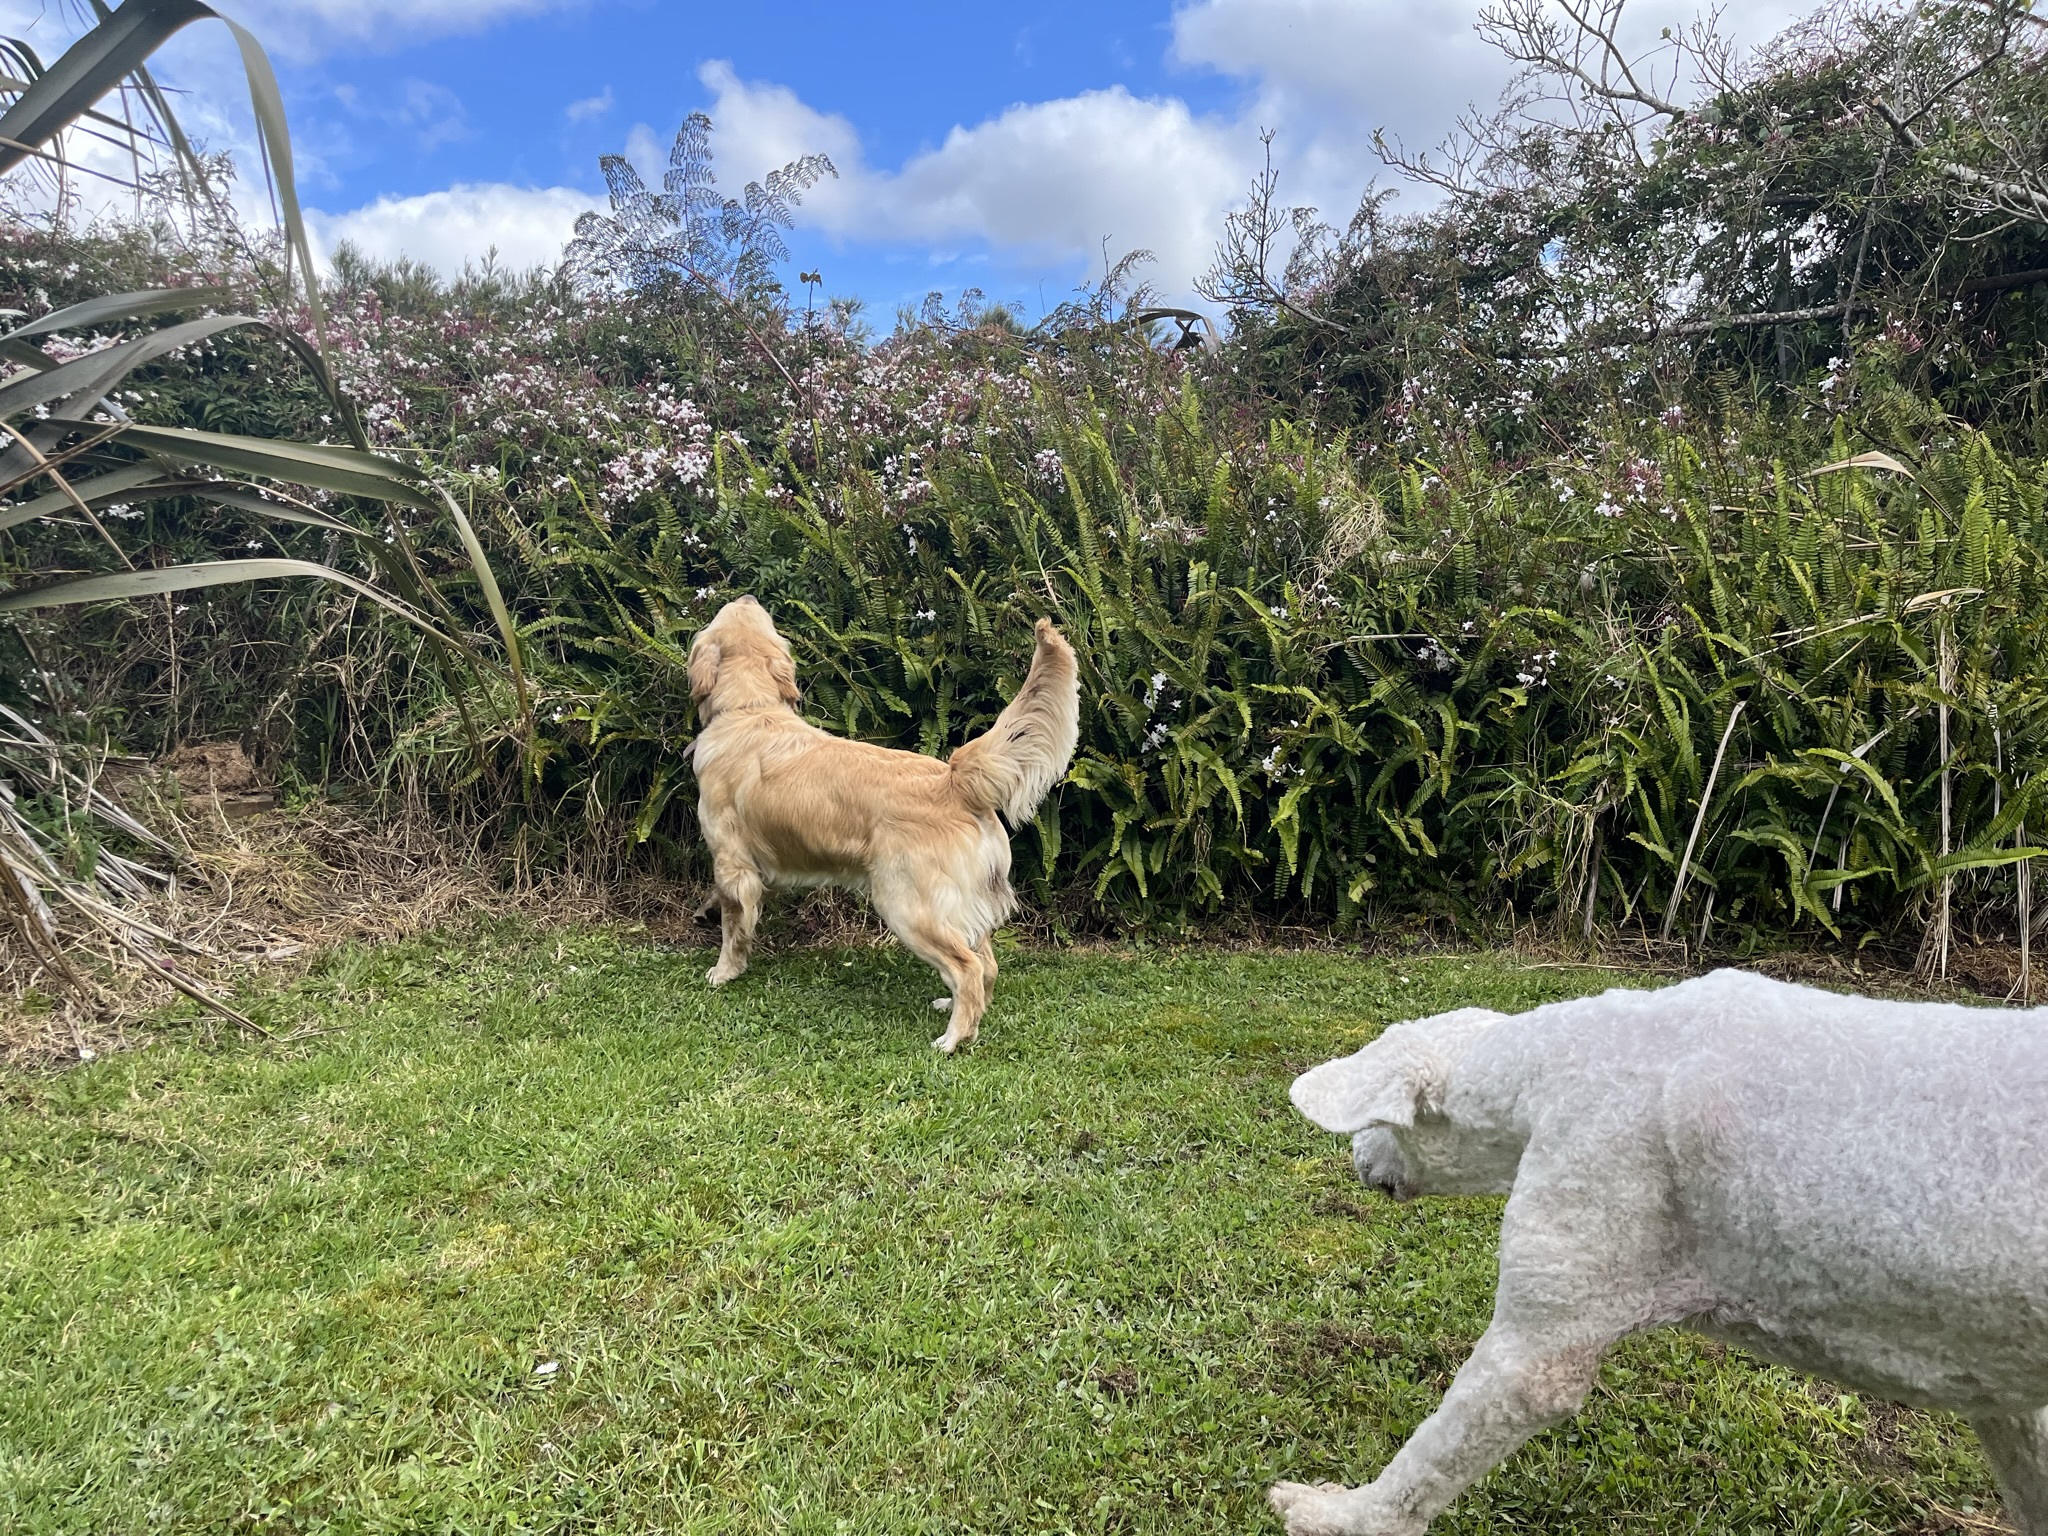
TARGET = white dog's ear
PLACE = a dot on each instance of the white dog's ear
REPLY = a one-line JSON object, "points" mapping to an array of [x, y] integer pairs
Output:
{"points": [[1406, 1072], [704, 656], [1381, 1085]]}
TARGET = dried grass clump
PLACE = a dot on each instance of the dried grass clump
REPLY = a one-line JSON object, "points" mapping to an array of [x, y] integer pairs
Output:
{"points": [[236, 888], [240, 889]]}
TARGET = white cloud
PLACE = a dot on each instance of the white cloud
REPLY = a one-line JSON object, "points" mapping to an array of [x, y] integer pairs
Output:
{"points": [[432, 114], [1327, 73], [304, 29], [1062, 178], [527, 226], [589, 107], [761, 127], [1052, 181], [1411, 61]]}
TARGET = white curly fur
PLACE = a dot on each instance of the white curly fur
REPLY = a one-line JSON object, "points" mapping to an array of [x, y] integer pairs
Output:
{"points": [[1853, 1187]]}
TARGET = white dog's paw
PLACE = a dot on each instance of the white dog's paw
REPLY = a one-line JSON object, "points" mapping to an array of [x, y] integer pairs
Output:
{"points": [[721, 973], [1317, 1509], [941, 1004]]}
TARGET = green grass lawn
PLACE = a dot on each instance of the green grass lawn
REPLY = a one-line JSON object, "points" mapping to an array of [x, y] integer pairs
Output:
{"points": [[544, 1235]]}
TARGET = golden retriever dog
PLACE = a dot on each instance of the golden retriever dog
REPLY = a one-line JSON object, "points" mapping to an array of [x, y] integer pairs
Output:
{"points": [[783, 803]]}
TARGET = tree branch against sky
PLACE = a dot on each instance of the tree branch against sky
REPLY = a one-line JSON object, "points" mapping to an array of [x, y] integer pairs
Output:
{"points": [[993, 149]]}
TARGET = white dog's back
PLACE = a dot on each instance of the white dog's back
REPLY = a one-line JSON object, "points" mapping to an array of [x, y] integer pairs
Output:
{"points": [[1855, 1187], [1864, 1182]]}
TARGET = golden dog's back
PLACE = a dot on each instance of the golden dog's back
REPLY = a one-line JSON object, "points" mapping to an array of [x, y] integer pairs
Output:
{"points": [[812, 806]]}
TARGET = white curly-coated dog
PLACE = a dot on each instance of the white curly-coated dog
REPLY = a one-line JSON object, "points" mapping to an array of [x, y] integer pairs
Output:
{"points": [[1853, 1187]]}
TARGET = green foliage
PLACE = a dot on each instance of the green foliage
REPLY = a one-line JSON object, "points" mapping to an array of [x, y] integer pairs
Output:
{"points": [[1326, 679], [1490, 699], [72, 450], [1403, 606]]}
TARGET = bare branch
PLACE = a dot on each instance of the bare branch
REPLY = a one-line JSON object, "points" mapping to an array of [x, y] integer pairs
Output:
{"points": [[1759, 319], [1241, 274], [2008, 196], [2005, 11], [1602, 34], [1523, 31]]}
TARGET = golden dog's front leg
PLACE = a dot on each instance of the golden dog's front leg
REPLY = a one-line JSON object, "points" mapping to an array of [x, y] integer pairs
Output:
{"points": [[739, 902]]}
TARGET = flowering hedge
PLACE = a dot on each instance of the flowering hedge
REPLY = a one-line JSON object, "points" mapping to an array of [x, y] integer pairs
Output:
{"points": [[1655, 679], [1325, 678]]}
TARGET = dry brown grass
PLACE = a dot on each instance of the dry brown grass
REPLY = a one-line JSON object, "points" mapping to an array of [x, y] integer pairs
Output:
{"points": [[261, 890], [254, 894]]}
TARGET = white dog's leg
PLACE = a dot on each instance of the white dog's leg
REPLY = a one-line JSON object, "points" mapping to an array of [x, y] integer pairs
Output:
{"points": [[2017, 1448], [1582, 1264], [739, 899], [1511, 1388]]}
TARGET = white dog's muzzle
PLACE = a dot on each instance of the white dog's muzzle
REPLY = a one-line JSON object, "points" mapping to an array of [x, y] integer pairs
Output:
{"points": [[1377, 1159]]}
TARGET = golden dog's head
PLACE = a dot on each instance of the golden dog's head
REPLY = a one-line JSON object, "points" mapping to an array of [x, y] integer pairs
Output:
{"points": [[738, 661]]}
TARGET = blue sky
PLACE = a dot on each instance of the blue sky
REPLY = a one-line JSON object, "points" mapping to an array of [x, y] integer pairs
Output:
{"points": [[998, 146], [534, 100]]}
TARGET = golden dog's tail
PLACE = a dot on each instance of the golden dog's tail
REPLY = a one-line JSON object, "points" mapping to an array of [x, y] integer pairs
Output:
{"points": [[1010, 766]]}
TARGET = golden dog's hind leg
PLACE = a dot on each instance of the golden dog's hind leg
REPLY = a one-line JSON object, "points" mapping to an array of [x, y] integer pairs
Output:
{"points": [[954, 958], [739, 900], [986, 954]]}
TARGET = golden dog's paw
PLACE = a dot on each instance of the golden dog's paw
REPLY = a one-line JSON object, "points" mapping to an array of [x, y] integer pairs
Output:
{"points": [[941, 1004], [720, 974]]}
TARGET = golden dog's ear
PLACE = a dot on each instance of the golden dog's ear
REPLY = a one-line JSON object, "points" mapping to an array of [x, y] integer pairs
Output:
{"points": [[704, 657], [783, 670]]}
